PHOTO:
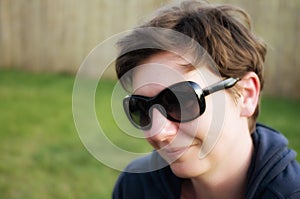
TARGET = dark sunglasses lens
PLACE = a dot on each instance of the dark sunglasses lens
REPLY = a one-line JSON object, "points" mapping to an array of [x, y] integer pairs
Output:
{"points": [[180, 102], [139, 112], [169, 102]]}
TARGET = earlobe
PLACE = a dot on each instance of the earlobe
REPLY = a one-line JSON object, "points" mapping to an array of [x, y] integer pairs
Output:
{"points": [[250, 91]]}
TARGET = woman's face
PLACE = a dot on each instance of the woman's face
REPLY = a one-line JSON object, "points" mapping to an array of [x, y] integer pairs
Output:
{"points": [[199, 146]]}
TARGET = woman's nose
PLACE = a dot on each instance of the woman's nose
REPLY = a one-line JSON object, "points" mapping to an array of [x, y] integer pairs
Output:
{"points": [[162, 129]]}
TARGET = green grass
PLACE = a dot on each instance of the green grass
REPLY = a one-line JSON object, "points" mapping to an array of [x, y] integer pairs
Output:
{"points": [[41, 155], [283, 115]]}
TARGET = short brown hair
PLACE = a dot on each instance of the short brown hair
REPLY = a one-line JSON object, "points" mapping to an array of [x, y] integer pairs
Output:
{"points": [[224, 31]]}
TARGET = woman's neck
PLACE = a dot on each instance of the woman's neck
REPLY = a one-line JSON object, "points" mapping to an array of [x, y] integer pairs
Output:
{"points": [[219, 184]]}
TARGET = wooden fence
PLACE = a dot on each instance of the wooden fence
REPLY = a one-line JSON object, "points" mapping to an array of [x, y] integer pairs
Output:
{"points": [[56, 35]]}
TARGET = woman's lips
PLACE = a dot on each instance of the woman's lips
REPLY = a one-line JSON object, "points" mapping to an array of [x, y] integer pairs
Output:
{"points": [[175, 150], [173, 153]]}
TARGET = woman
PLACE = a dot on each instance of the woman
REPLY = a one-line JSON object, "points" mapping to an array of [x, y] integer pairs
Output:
{"points": [[196, 74]]}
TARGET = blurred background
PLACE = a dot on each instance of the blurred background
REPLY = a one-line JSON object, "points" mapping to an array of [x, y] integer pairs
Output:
{"points": [[42, 45]]}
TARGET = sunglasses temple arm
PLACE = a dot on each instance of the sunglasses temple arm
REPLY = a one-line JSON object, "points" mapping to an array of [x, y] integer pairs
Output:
{"points": [[227, 83]]}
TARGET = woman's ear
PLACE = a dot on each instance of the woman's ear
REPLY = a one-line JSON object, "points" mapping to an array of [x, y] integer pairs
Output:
{"points": [[249, 87]]}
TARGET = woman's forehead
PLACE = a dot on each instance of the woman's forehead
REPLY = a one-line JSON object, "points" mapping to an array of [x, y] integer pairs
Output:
{"points": [[165, 69]]}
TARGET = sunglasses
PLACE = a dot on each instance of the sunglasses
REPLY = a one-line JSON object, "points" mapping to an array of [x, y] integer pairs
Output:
{"points": [[181, 102]]}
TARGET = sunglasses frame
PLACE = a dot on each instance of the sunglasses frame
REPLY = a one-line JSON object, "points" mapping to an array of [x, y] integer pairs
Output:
{"points": [[199, 92]]}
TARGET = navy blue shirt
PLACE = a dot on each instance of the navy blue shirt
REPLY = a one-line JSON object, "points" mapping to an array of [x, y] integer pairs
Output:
{"points": [[273, 173]]}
